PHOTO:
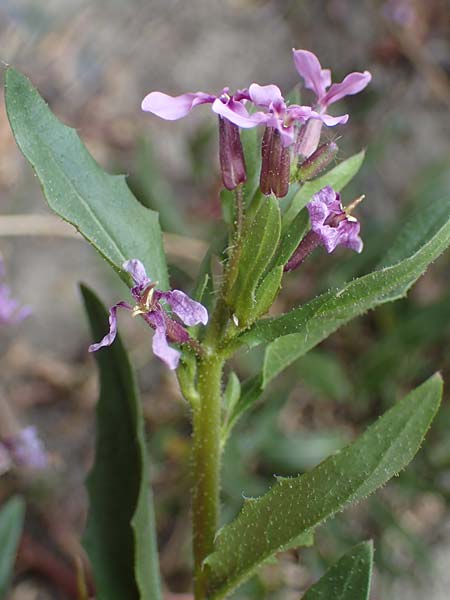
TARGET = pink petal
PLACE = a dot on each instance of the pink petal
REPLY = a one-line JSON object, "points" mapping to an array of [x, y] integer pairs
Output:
{"points": [[309, 67], [189, 311], [332, 121], [352, 84], [137, 271], [265, 95], [239, 117], [172, 108], [111, 335], [161, 348]]}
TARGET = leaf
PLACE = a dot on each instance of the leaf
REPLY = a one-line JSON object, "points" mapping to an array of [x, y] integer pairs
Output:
{"points": [[337, 178], [299, 504], [348, 579], [154, 191], [11, 524], [293, 334], [292, 237], [120, 536], [260, 241], [97, 204], [419, 224]]}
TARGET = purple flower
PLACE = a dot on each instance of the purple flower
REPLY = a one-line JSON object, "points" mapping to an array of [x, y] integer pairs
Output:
{"points": [[401, 12], [27, 450], [319, 80], [148, 306], [11, 312], [232, 114], [331, 226], [280, 121]]}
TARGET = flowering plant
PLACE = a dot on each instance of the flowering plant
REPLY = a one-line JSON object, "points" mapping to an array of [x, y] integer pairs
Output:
{"points": [[283, 208]]}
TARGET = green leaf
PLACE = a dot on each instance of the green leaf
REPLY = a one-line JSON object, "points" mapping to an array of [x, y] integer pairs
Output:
{"points": [[261, 237], [420, 223], [348, 579], [154, 191], [300, 330], [337, 178], [292, 237], [99, 205], [299, 504], [120, 536], [11, 524]]}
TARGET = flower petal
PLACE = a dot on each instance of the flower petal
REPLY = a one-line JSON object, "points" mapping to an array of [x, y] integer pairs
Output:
{"points": [[309, 67], [329, 221], [137, 271], [11, 313], [189, 311], [265, 95], [351, 84], [27, 450], [172, 108], [161, 348], [111, 335], [331, 121], [239, 117]]}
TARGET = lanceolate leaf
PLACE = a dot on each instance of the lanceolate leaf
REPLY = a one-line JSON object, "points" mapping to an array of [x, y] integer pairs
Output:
{"points": [[348, 579], [293, 334], [337, 178], [99, 205], [120, 535], [297, 505], [11, 523]]}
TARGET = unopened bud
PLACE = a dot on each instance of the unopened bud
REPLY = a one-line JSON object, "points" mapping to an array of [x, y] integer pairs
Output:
{"points": [[308, 138], [275, 164], [231, 155], [317, 162]]}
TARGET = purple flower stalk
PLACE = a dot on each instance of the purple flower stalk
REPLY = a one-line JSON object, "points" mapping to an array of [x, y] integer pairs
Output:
{"points": [[331, 226], [11, 312], [27, 450], [319, 80], [148, 306]]}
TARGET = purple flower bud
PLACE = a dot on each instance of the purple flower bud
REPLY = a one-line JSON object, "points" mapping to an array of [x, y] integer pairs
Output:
{"points": [[308, 138], [231, 154], [317, 162], [331, 226], [275, 164]]}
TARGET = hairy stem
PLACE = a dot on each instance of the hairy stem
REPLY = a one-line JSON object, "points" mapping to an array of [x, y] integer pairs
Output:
{"points": [[206, 466]]}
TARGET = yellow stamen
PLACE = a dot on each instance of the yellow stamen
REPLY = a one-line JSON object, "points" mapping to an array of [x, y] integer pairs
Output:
{"points": [[351, 207]]}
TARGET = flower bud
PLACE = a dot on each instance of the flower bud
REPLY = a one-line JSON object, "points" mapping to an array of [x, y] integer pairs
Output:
{"points": [[275, 164], [317, 162], [231, 155], [308, 138]]}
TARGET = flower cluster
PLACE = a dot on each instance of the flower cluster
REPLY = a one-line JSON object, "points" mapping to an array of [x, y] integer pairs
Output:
{"points": [[289, 130], [149, 305]]}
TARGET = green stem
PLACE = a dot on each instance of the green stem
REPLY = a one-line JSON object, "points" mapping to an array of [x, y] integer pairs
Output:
{"points": [[206, 466], [220, 316]]}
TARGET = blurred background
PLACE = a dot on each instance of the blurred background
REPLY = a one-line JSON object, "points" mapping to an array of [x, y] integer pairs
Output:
{"points": [[94, 61]]}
